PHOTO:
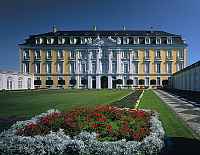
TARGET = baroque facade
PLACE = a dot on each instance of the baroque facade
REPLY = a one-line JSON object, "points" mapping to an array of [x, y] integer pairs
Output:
{"points": [[102, 59]]}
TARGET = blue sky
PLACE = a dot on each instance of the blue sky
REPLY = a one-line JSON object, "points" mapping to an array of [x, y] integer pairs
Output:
{"points": [[21, 18]]}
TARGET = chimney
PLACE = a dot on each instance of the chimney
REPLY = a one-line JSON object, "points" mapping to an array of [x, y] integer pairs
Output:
{"points": [[54, 29], [94, 28], [124, 28]]}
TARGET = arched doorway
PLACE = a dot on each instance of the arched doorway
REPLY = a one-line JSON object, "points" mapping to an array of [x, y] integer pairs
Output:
{"points": [[104, 82]]}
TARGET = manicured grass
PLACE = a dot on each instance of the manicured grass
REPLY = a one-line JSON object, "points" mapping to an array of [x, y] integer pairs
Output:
{"points": [[174, 126], [27, 104]]}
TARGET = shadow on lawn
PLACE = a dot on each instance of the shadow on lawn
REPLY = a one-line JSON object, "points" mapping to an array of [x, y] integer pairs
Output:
{"points": [[181, 146]]}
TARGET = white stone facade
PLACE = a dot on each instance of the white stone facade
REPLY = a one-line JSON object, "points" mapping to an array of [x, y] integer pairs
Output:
{"points": [[15, 81]]}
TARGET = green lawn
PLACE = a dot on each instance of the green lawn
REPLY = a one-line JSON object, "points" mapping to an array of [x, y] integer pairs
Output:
{"points": [[27, 104], [174, 127]]}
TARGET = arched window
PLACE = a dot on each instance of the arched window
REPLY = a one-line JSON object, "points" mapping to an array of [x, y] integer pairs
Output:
{"points": [[9, 83], [20, 81]]}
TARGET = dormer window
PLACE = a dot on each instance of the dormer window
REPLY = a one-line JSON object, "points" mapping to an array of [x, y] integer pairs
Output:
{"points": [[169, 40], [119, 41], [147, 40], [136, 40], [158, 41], [61, 40], [38, 40], [50, 40], [125, 40]]}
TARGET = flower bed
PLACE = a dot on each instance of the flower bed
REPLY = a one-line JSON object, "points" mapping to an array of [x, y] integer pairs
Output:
{"points": [[100, 130]]}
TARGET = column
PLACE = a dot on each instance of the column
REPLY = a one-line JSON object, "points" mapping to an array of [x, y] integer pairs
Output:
{"points": [[130, 62], [109, 82], [77, 69], [110, 61], [98, 82], [89, 62], [119, 62], [98, 61], [89, 82]]}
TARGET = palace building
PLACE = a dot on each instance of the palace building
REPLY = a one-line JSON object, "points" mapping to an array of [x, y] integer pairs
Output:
{"points": [[102, 59]]}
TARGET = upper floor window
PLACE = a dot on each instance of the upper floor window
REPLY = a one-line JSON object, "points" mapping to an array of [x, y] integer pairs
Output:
{"points": [[169, 40], [60, 68], [135, 54], [94, 56], [157, 54], [72, 55], [37, 54], [158, 68], [37, 68], [61, 40], [50, 40], [180, 66], [136, 40], [146, 68], [48, 68], [158, 40], [26, 67], [119, 41], [72, 67], [73, 40], [26, 54], [146, 54], [93, 68], [60, 54], [147, 40], [126, 68], [114, 55], [125, 54], [114, 67], [83, 68], [135, 67], [169, 54], [39, 40], [180, 54], [169, 67], [125, 40], [48, 54]]}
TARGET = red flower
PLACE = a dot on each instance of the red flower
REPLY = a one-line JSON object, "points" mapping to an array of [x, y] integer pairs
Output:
{"points": [[136, 136], [101, 119], [109, 128]]}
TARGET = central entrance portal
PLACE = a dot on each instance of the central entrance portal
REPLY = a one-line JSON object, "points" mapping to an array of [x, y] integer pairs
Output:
{"points": [[104, 82]]}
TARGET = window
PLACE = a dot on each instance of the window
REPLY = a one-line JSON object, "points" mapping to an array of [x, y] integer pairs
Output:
{"points": [[50, 40], [83, 54], [180, 54], [136, 54], [114, 55], [125, 67], [60, 68], [146, 68], [119, 40], [135, 67], [158, 56], [136, 40], [37, 68], [105, 67], [48, 68], [9, 83], [72, 67], [38, 40], [158, 68], [94, 55], [146, 54], [93, 68], [158, 81], [169, 54], [114, 67], [48, 54], [83, 68], [136, 81], [20, 83], [169, 40], [60, 54], [26, 54], [180, 66], [29, 83], [72, 55], [26, 68], [158, 40], [147, 40], [147, 81], [169, 68], [125, 54], [61, 40], [125, 40], [37, 54]]}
